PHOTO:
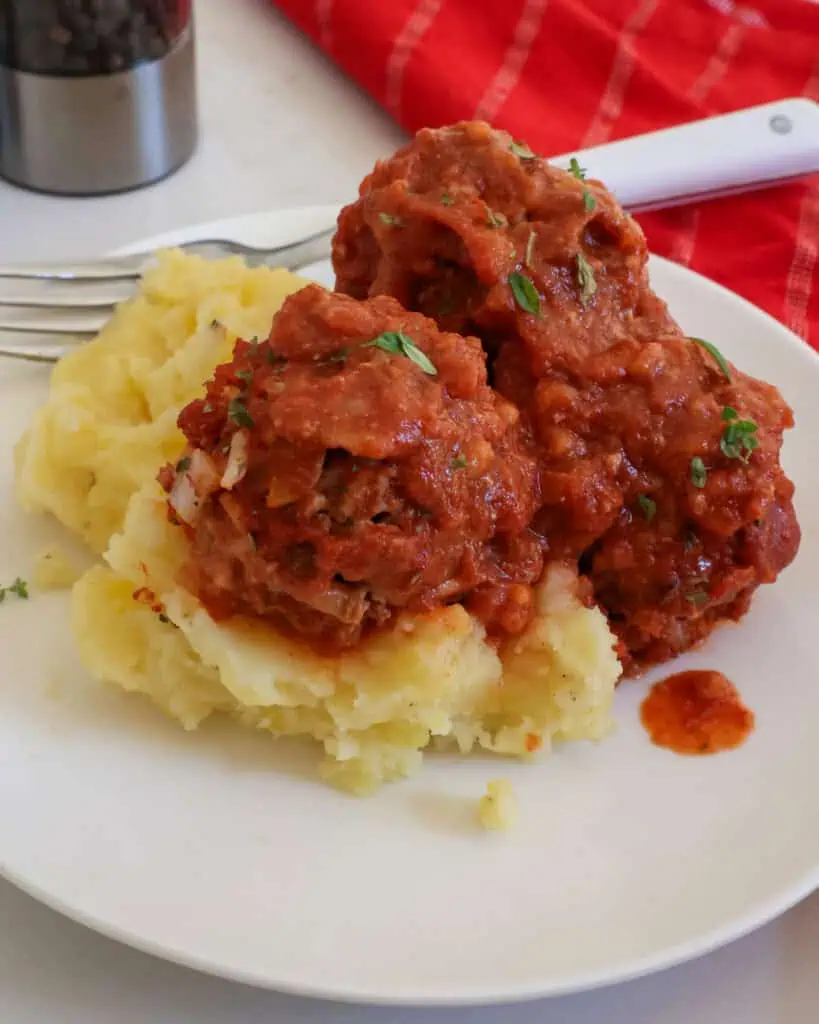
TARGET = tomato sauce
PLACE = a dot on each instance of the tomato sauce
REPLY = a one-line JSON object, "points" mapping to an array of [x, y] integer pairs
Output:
{"points": [[696, 712]]}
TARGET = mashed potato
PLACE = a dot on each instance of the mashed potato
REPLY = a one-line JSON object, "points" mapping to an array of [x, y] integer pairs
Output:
{"points": [[110, 420], [90, 459]]}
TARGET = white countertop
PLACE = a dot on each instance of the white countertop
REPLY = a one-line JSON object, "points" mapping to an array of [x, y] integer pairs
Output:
{"points": [[281, 127]]}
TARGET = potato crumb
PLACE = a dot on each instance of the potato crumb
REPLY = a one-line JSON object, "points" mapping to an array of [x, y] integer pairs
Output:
{"points": [[53, 570], [498, 808]]}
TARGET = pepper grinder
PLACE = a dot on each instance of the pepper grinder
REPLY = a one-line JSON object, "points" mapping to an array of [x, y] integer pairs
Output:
{"points": [[96, 96]]}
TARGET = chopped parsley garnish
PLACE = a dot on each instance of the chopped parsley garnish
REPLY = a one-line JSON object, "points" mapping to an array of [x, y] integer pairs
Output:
{"points": [[183, 465], [460, 462], [739, 437], [273, 358], [589, 202], [575, 169], [647, 506], [19, 588], [399, 344], [585, 279], [530, 248], [697, 597], [388, 218], [520, 149], [698, 472], [447, 200], [497, 220], [715, 354], [246, 375], [525, 293], [237, 411]]}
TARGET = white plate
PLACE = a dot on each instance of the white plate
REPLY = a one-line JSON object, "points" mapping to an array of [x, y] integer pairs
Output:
{"points": [[217, 849]]}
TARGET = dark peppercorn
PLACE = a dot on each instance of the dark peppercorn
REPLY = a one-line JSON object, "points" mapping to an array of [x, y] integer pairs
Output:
{"points": [[88, 37]]}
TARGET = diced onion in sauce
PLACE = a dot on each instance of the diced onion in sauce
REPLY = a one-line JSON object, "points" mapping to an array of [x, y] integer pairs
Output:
{"points": [[237, 461], [203, 473], [184, 500]]}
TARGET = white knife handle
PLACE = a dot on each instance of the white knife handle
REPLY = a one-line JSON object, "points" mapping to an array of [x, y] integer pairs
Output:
{"points": [[731, 153]]}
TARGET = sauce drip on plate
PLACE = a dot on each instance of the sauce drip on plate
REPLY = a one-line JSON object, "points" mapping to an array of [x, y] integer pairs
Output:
{"points": [[698, 712]]}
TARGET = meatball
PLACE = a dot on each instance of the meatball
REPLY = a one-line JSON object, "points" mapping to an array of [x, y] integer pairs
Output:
{"points": [[353, 465], [470, 228], [661, 475], [658, 463]]}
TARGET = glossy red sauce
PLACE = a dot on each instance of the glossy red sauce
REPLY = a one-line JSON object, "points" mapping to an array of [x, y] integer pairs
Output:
{"points": [[697, 712]]}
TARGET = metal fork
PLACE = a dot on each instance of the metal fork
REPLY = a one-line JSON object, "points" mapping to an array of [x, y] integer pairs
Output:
{"points": [[59, 305]]}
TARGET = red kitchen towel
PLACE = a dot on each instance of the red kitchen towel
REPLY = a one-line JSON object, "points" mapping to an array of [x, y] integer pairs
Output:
{"points": [[564, 74]]}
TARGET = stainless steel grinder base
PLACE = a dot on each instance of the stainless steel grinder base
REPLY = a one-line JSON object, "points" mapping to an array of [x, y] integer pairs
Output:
{"points": [[100, 133]]}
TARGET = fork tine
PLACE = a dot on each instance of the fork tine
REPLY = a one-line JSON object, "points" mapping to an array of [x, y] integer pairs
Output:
{"points": [[30, 357], [49, 302], [84, 273], [44, 330], [115, 269], [126, 268]]}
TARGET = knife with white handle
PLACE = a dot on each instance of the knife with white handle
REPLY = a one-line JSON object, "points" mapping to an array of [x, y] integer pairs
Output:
{"points": [[749, 149]]}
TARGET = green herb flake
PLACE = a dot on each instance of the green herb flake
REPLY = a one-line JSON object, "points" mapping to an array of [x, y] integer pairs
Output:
{"points": [[237, 411], [399, 344], [575, 169], [589, 202], [274, 359], [715, 354], [388, 218], [647, 506], [183, 465], [585, 279], [245, 375], [497, 220], [19, 588], [526, 295], [520, 149], [447, 200], [697, 597], [698, 472], [739, 437], [207, 407], [530, 248], [460, 462]]}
